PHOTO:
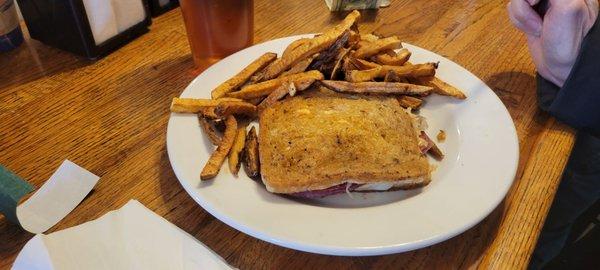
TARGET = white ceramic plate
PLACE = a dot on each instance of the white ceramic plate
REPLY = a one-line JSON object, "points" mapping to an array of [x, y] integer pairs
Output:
{"points": [[481, 161]]}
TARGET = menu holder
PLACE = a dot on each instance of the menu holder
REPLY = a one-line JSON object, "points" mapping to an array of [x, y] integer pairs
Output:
{"points": [[158, 7], [90, 28]]}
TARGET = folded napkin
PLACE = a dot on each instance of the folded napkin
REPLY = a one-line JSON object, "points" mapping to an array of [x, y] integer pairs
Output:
{"points": [[132, 237], [59, 195]]}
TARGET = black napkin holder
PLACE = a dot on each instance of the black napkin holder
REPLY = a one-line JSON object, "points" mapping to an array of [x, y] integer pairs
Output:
{"points": [[64, 24]]}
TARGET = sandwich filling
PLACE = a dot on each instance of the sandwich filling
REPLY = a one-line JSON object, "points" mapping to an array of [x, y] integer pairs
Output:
{"points": [[354, 187]]}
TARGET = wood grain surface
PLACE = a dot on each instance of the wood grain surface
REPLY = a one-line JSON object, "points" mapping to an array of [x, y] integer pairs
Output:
{"points": [[110, 116]]}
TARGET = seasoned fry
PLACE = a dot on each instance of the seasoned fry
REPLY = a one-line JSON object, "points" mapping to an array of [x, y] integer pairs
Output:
{"points": [[197, 105], [191, 105], [310, 47], [410, 102], [229, 99], [250, 155], [377, 87], [210, 130], [364, 64], [325, 61], [266, 87], [420, 70], [442, 88], [235, 107], [391, 76], [364, 75], [393, 60], [275, 96], [377, 46], [348, 64], [354, 38], [299, 67], [295, 44], [236, 150], [212, 167], [369, 37], [243, 76], [339, 62], [208, 112], [283, 90], [257, 77], [256, 101]]}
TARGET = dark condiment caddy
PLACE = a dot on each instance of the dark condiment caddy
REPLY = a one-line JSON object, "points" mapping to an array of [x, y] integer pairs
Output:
{"points": [[64, 24]]}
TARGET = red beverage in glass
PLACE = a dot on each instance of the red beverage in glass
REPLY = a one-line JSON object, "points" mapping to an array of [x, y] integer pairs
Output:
{"points": [[217, 28]]}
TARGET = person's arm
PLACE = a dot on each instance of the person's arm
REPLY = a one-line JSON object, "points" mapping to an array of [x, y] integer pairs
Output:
{"points": [[577, 103]]}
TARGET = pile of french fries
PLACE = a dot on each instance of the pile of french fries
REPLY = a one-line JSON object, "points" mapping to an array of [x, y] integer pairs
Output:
{"points": [[340, 59]]}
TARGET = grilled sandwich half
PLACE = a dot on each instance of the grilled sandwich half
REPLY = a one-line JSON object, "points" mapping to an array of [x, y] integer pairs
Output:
{"points": [[319, 145]]}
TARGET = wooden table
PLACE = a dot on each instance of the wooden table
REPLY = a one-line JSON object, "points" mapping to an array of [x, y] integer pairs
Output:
{"points": [[110, 116]]}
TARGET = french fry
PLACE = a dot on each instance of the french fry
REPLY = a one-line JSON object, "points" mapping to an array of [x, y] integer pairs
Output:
{"points": [[210, 130], [442, 88], [348, 64], [366, 39], [243, 76], [275, 96], [369, 37], [235, 107], [377, 87], [339, 62], [295, 44], [420, 70], [257, 77], [208, 112], [236, 150], [410, 102], [229, 99], [298, 67], [256, 101], [354, 39], [191, 105], [251, 155], [365, 75], [310, 47], [377, 46], [196, 105], [439, 86], [284, 90], [391, 76], [327, 57], [364, 64], [267, 87], [393, 60], [212, 167]]}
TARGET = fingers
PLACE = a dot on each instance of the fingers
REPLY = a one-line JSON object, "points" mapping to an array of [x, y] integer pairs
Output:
{"points": [[536, 51], [524, 17], [592, 14]]}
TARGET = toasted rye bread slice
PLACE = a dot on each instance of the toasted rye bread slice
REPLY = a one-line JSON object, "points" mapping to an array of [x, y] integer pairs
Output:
{"points": [[314, 142]]}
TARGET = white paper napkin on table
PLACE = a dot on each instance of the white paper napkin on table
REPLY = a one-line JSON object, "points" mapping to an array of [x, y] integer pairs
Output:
{"points": [[132, 237], [108, 18]]}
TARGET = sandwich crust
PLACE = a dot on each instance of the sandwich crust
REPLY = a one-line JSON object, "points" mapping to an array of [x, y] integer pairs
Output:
{"points": [[313, 142]]}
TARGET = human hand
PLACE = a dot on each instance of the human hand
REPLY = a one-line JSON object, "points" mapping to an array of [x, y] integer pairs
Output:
{"points": [[554, 40]]}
